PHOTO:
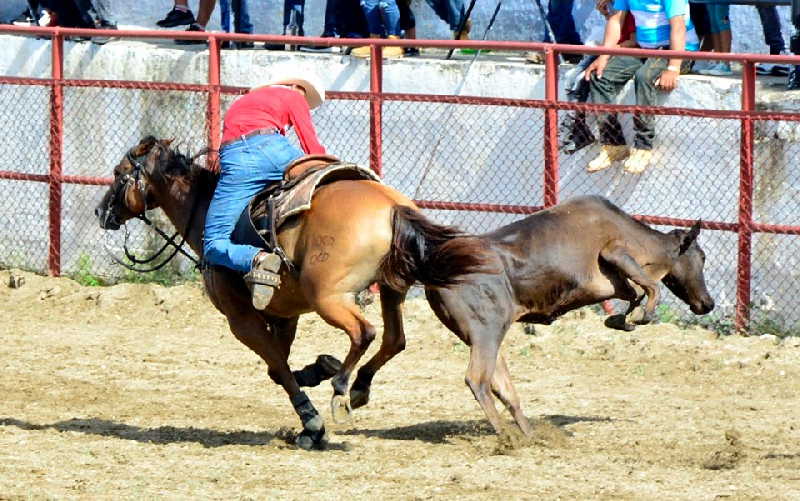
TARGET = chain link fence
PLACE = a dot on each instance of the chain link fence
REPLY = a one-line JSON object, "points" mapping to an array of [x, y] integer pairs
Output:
{"points": [[475, 165]]}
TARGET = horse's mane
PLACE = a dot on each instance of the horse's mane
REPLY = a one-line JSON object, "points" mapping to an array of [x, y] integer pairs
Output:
{"points": [[182, 166]]}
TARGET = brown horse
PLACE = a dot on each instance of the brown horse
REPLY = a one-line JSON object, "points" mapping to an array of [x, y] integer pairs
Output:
{"points": [[355, 234]]}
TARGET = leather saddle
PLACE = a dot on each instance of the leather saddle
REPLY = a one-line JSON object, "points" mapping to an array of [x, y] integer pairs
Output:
{"points": [[271, 208]]}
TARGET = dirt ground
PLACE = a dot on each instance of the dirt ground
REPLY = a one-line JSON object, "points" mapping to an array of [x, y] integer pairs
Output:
{"points": [[139, 391]]}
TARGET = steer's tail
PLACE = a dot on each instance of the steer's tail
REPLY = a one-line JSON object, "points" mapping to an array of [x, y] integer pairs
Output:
{"points": [[430, 253]]}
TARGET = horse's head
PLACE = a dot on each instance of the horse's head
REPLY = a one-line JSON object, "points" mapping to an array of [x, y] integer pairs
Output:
{"points": [[132, 192], [686, 279]]}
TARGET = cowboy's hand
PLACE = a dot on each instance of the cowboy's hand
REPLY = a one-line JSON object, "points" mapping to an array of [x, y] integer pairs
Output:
{"points": [[668, 80], [597, 66]]}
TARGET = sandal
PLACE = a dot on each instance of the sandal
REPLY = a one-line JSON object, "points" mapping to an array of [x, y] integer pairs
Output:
{"points": [[263, 278]]}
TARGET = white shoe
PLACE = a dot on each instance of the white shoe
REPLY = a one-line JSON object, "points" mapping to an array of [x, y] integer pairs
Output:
{"points": [[608, 155], [638, 161]]}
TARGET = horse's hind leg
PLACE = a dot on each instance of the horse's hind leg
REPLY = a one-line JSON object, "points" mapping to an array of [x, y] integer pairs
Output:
{"points": [[480, 375], [341, 311], [392, 343], [272, 345]]}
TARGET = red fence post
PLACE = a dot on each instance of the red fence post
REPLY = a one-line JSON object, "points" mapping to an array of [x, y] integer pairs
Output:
{"points": [[550, 128], [745, 226], [213, 114], [56, 151], [376, 109]]}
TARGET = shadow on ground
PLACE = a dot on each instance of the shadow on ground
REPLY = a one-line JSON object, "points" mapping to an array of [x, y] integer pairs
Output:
{"points": [[160, 435], [440, 431]]}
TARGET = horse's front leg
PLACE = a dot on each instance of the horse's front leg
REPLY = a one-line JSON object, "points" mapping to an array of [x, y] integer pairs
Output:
{"points": [[392, 343]]}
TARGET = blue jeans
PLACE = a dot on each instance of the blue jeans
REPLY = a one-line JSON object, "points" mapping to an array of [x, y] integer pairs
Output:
{"points": [[246, 167], [450, 11], [383, 16], [559, 16], [241, 16], [299, 8], [771, 24]]}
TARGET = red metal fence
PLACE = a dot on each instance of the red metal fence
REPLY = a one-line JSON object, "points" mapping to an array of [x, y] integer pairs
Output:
{"points": [[519, 155]]}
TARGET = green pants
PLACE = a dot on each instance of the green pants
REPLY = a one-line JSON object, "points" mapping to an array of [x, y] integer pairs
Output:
{"points": [[604, 90]]}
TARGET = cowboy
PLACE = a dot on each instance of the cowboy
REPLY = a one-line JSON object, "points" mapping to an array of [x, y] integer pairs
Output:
{"points": [[255, 153]]}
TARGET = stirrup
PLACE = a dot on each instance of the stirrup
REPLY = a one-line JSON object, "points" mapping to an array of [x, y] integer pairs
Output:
{"points": [[263, 279]]}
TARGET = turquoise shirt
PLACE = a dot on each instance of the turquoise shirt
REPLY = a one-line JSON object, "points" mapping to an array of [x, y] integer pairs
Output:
{"points": [[652, 21]]}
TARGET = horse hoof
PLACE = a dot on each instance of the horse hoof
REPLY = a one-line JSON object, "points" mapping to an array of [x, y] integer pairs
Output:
{"points": [[328, 365], [340, 408], [618, 322], [308, 440], [358, 398]]}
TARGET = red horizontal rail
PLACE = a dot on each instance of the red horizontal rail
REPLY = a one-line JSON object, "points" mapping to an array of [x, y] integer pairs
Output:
{"points": [[46, 178]]}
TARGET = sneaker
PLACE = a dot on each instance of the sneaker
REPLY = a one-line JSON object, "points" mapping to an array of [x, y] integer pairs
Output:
{"points": [[263, 278], [575, 134], [793, 82], [24, 19], [638, 161], [177, 17], [721, 69], [315, 48], [192, 27], [608, 155], [274, 46], [701, 66], [411, 52], [534, 58], [778, 70]]}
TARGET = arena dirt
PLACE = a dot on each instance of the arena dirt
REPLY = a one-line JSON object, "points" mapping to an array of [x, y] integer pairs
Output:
{"points": [[140, 391]]}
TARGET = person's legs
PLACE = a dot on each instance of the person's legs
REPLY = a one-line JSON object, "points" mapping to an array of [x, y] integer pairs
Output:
{"points": [[559, 15], [225, 15], [390, 17], [771, 25], [241, 17], [247, 167], [331, 25]]}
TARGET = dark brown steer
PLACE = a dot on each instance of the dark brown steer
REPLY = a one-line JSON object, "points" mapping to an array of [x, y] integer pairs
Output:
{"points": [[578, 253]]}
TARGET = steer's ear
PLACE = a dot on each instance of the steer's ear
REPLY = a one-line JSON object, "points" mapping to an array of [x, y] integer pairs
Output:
{"points": [[688, 237]]}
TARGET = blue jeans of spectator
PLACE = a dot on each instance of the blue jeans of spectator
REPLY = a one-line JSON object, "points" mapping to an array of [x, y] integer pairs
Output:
{"points": [[241, 16], [450, 11], [383, 16], [331, 26], [246, 167], [559, 16], [575, 85], [299, 9], [771, 24]]}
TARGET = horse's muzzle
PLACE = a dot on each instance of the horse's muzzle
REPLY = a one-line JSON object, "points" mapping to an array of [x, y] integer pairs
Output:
{"points": [[107, 222], [704, 307]]}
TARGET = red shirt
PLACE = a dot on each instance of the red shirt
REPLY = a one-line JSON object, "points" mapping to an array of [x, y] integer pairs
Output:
{"points": [[628, 28], [276, 107]]}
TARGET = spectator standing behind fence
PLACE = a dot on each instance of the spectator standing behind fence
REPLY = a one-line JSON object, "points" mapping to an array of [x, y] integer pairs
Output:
{"points": [[383, 18], [79, 14], [181, 15], [574, 131], [660, 24], [773, 37], [562, 23], [452, 12], [719, 31], [241, 21]]}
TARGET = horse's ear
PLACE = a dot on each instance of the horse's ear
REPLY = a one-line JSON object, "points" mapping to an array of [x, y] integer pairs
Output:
{"points": [[688, 237], [145, 145]]}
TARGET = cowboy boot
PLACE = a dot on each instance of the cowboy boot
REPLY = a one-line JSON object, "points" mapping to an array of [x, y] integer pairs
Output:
{"points": [[364, 50], [263, 278]]}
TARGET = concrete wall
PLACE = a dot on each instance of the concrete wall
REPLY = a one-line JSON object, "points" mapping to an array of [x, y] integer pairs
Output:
{"points": [[517, 20], [431, 151]]}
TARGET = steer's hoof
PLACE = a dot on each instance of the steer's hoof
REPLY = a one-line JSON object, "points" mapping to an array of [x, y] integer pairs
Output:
{"points": [[340, 408], [358, 398]]}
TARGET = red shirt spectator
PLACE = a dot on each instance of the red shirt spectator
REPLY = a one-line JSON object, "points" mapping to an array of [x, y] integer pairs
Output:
{"points": [[272, 106]]}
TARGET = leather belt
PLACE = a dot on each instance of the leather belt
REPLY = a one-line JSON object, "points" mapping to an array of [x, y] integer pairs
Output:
{"points": [[257, 132]]}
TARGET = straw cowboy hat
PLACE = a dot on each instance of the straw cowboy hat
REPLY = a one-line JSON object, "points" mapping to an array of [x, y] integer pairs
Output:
{"points": [[315, 92]]}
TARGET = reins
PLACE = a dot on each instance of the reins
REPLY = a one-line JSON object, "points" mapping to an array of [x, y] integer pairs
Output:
{"points": [[136, 177]]}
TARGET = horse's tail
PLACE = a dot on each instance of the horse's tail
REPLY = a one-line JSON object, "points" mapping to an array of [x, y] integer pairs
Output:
{"points": [[430, 253]]}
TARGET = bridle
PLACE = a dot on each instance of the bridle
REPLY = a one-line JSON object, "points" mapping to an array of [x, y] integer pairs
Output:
{"points": [[137, 176]]}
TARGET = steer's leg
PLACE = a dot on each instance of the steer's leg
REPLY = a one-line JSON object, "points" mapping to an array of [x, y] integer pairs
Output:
{"points": [[503, 388], [619, 257]]}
